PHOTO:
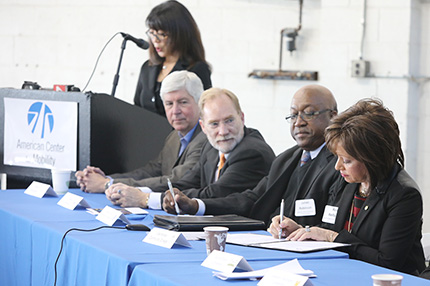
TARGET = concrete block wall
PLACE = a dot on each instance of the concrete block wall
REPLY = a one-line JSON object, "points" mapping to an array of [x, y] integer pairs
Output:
{"points": [[58, 42]]}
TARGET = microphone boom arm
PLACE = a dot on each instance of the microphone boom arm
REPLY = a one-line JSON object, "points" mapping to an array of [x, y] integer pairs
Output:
{"points": [[116, 77]]}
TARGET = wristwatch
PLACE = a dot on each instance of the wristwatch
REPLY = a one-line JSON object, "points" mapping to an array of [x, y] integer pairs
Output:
{"points": [[108, 183]]}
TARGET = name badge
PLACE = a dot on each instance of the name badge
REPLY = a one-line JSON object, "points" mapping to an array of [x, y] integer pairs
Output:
{"points": [[330, 213], [305, 208]]}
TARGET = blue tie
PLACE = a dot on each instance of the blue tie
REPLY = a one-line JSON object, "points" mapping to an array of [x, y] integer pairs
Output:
{"points": [[183, 146], [306, 157]]}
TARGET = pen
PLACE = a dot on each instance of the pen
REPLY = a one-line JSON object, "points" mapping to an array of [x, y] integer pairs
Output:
{"points": [[281, 217], [173, 195]]}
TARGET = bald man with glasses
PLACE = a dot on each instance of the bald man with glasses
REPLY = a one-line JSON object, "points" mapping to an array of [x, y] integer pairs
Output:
{"points": [[302, 175]]}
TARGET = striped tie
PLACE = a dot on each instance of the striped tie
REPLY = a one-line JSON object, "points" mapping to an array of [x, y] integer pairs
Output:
{"points": [[306, 157]]}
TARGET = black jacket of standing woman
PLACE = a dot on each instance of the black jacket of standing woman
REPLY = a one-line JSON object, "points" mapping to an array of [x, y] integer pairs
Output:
{"points": [[175, 44]]}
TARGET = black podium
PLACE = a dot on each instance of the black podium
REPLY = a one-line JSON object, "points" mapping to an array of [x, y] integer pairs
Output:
{"points": [[112, 134]]}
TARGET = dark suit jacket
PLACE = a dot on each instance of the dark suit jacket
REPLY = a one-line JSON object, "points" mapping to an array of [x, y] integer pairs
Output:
{"points": [[249, 161], [426, 273], [148, 88], [167, 164], [387, 231], [263, 201]]}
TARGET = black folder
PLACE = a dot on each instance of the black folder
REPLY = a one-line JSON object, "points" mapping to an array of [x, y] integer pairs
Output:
{"points": [[197, 223]]}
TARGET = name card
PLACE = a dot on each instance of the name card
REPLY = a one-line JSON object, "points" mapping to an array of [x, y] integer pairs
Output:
{"points": [[38, 189], [71, 201], [305, 207], [110, 215], [226, 262], [275, 278], [165, 238]]}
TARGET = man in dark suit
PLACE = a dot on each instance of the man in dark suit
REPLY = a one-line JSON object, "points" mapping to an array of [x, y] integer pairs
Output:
{"points": [[304, 187], [180, 91], [234, 159]]}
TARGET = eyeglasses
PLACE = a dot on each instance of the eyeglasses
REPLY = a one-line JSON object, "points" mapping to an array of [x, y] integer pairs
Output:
{"points": [[154, 35], [227, 122], [306, 116]]}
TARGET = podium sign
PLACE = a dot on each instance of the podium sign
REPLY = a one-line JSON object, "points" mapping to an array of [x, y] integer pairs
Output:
{"points": [[80, 129], [40, 133]]}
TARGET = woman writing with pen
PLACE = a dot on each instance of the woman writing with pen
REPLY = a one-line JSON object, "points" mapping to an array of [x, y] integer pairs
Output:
{"points": [[377, 207]]}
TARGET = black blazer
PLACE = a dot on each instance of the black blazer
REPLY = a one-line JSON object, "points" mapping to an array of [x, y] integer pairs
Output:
{"points": [[387, 231], [148, 89], [263, 201], [249, 161]]}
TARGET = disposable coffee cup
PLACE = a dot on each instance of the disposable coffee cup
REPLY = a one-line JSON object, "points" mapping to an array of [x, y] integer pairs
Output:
{"points": [[387, 280], [215, 238], [60, 181]]}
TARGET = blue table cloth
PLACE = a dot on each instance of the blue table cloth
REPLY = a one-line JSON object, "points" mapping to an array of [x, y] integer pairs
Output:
{"points": [[32, 230], [330, 272]]}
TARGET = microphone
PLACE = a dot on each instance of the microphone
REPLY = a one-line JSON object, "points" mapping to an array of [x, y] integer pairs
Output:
{"points": [[139, 42]]}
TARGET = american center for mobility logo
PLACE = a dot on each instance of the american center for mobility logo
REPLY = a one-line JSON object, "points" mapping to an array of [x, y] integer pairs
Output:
{"points": [[40, 118]]}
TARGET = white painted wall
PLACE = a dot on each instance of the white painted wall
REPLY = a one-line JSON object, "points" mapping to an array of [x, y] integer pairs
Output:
{"points": [[58, 41]]}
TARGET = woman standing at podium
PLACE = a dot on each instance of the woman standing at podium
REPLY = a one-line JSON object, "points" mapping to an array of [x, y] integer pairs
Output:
{"points": [[175, 44]]}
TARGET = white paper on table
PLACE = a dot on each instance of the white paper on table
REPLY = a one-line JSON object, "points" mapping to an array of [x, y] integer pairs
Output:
{"points": [[292, 266], [194, 235], [266, 241], [249, 239], [275, 278], [136, 210], [302, 246]]}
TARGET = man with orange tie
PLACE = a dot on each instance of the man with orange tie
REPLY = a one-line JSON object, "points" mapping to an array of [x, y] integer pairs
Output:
{"points": [[234, 159], [300, 177]]}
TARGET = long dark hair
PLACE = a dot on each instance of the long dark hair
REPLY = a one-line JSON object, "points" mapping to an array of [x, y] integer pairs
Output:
{"points": [[183, 33], [369, 133]]}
